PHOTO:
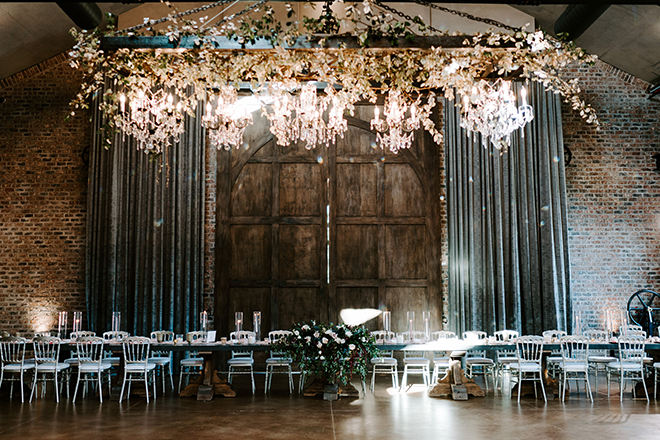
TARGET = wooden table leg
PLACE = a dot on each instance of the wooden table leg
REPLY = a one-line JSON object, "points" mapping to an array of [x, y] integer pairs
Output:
{"points": [[208, 384]]}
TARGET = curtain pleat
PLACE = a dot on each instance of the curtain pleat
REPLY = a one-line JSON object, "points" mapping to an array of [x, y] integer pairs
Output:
{"points": [[507, 225], [145, 240]]}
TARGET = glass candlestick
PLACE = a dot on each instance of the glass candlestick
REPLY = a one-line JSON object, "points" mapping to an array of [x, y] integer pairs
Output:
{"points": [[116, 322], [238, 322], [77, 322], [204, 321], [410, 316], [256, 324], [61, 324], [426, 316], [387, 322]]}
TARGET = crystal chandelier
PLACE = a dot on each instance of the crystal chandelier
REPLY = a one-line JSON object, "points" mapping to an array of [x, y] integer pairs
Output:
{"points": [[300, 116], [225, 120], [491, 110], [396, 131], [152, 119]]}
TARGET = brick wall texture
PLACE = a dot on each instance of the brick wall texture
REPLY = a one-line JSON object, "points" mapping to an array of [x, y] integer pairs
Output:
{"points": [[43, 198], [613, 197]]}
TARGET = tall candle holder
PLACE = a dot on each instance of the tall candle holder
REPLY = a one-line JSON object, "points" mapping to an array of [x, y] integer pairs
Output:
{"points": [[623, 323], [410, 316], [577, 322], [238, 322], [387, 322], [426, 316], [116, 323], [77, 322], [204, 321], [256, 324], [62, 319]]}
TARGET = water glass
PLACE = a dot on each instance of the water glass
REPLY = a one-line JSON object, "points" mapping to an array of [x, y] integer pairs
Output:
{"points": [[426, 316], [387, 321], [410, 316], [238, 321], [61, 324], [256, 321]]}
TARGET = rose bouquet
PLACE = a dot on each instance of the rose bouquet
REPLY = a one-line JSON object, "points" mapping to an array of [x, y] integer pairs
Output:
{"points": [[332, 352]]}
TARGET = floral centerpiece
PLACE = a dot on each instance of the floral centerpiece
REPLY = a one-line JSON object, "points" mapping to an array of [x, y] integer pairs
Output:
{"points": [[331, 352]]}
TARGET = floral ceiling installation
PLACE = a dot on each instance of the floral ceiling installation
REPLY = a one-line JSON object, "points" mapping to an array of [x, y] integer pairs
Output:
{"points": [[306, 77]]}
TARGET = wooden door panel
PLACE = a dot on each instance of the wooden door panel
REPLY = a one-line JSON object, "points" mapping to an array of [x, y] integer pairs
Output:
{"points": [[299, 248], [357, 298], [299, 304], [404, 196], [403, 299], [301, 189], [252, 193], [405, 251], [247, 300], [357, 252], [251, 250], [356, 183]]}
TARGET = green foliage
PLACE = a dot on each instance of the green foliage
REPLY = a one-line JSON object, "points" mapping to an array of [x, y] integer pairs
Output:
{"points": [[332, 352]]}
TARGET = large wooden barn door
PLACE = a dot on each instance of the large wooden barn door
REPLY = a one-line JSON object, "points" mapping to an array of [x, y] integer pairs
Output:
{"points": [[384, 226], [302, 234]]}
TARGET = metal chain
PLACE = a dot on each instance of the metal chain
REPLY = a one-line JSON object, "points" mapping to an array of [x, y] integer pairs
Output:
{"points": [[243, 12], [401, 14], [469, 16], [179, 15]]}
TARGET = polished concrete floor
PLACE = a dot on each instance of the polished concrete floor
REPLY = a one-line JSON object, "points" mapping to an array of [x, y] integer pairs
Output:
{"points": [[383, 415]]}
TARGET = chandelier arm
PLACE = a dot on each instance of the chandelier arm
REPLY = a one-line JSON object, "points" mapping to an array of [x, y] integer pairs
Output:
{"points": [[219, 13], [469, 16]]}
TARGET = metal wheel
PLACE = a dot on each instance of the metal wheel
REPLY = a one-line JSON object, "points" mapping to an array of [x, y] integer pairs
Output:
{"points": [[641, 310]]}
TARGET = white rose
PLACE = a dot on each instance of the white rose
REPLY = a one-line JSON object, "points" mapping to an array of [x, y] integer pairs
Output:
{"points": [[322, 358], [316, 334], [296, 332], [328, 332], [308, 338], [319, 345], [348, 333], [324, 340], [351, 346]]}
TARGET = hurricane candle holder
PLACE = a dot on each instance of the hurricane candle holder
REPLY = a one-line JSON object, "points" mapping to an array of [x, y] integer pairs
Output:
{"points": [[387, 321], [426, 316], [238, 322], [116, 322], [410, 316], [577, 322], [256, 327], [204, 321], [77, 322], [62, 319]]}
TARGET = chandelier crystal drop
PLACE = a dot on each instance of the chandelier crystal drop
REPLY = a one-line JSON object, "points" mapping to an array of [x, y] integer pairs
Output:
{"points": [[491, 110], [225, 119], [396, 130], [152, 119], [300, 115]]}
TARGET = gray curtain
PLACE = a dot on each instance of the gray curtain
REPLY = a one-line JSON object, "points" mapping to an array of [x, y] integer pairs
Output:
{"points": [[145, 233], [507, 225]]}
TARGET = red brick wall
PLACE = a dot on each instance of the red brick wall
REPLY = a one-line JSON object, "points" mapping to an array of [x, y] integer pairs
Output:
{"points": [[43, 198], [613, 193]]}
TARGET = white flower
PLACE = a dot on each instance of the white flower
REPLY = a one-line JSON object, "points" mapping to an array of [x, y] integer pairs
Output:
{"points": [[322, 358], [317, 334], [324, 340], [296, 332], [328, 332], [348, 333], [319, 345], [342, 341], [308, 338], [351, 346], [305, 327]]}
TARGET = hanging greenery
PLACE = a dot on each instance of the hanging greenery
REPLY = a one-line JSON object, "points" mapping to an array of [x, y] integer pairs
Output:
{"points": [[350, 64]]}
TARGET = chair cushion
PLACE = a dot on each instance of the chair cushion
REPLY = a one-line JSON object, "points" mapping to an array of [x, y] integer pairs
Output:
{"points": [[279, 361], [416, 361], [238, 362], [158, 360], [479, 361], [574, 367], [525, 367], [17, 367], [131, 368], [93, 368], [384, 361], [192, 362], [51, 366], [628, 366], [554, 359], [602, 359]]}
